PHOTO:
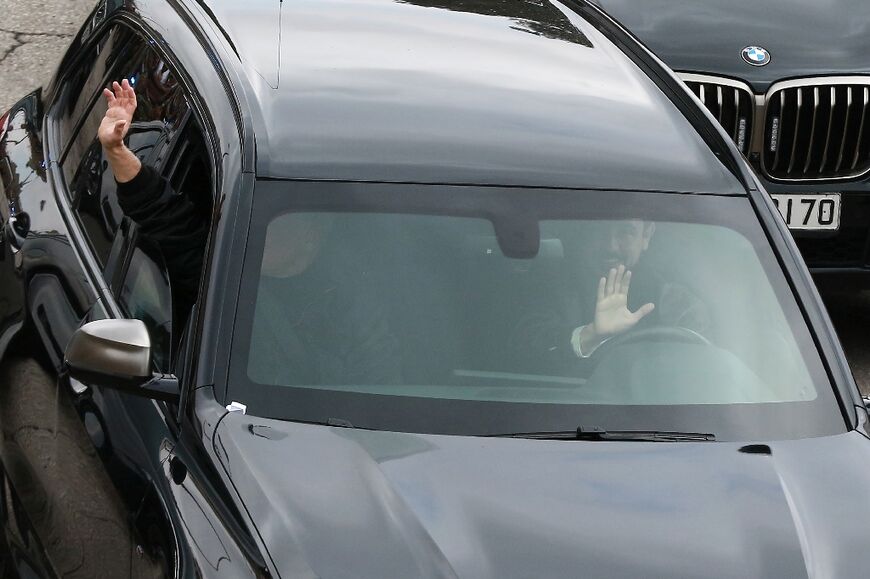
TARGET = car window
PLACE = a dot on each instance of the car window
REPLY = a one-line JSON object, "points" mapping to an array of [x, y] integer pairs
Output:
{"points": [[160, 114], [85, 83], [386, 309], [145, 294], [189, 170]]}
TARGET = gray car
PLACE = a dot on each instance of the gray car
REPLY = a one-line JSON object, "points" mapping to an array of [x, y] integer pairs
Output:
{"points": [[484, 293]]}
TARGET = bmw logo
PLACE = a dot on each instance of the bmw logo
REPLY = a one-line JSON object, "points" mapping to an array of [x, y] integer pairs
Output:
{"points": [[755, 55]]}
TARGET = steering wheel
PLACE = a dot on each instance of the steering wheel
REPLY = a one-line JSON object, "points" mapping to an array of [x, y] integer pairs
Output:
{"points": [[652, 334]]}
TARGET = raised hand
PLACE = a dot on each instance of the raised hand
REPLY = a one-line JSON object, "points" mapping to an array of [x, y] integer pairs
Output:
{"points": [[121, 101], [612, 315]]}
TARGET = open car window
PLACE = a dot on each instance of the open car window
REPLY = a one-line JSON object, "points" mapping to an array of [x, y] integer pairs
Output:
{"points": [[160, 115], [469, 302]]}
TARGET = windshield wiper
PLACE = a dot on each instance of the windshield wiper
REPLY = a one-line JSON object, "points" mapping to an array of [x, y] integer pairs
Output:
{"points": [[597, 433]]}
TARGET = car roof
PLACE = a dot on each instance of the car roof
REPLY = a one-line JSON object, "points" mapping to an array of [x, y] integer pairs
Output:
{"points": [[506, 92]]}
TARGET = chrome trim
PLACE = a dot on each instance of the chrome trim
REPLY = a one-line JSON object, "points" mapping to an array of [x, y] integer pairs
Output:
{"points": [[861, 127], [815, 82], [845, 129], [738, 86], [757, 144], [812, 134], [735, 133], [797, 125], [116, 347], [721, 80], [758, 117], [827, 148]]}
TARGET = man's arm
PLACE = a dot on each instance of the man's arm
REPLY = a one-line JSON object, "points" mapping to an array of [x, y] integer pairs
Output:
{"points": [[169, 220]]}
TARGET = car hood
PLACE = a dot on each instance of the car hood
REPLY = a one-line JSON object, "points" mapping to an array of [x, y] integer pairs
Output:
{"points": [[804, 37], [341, 503]]}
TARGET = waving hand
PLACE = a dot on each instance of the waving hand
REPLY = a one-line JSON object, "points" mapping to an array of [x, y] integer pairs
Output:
{"points": [[116, 122]]}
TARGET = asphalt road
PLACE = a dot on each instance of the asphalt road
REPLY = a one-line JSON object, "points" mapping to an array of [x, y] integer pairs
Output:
{"points": [[34, 34], [33, 37]]}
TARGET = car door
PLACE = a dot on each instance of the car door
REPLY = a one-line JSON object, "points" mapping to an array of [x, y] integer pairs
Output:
{"points": [[78, 503]]}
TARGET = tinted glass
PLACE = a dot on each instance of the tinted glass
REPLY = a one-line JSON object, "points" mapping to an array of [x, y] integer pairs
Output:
{"points": [[161, 109], [145, 295], [95, 202], [161, 106], [86, 82], [189, 170], [450, 310]]}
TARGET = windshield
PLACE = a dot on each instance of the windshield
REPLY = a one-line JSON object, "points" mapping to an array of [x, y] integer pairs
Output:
{"points": [[482, 311]]}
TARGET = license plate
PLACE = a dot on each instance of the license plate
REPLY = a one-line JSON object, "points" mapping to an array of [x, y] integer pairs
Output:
{"points": [[810, 211]]}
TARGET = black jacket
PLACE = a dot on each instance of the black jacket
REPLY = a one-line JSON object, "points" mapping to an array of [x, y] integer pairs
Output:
{"points": [[171, 221], [310, 330], [541, 342]]}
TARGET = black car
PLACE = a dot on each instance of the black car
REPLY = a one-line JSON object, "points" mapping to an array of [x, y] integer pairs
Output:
{"points": [[790, 82], [485, 293]]}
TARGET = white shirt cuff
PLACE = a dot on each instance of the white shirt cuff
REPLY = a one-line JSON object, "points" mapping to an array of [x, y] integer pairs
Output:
{"points": [[575, 343]]}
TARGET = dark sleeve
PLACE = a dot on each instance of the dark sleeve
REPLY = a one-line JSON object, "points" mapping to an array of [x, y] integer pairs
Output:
{"points": [[171, 221], [362, 347], [372, 356], [541, 341]]}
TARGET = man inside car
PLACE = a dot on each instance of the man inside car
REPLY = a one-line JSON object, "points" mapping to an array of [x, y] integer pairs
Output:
{"points": [[628, 293], [170, 220]]}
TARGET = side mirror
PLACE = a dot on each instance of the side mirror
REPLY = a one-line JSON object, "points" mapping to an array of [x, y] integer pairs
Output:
{"points": [[117, 354]]}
